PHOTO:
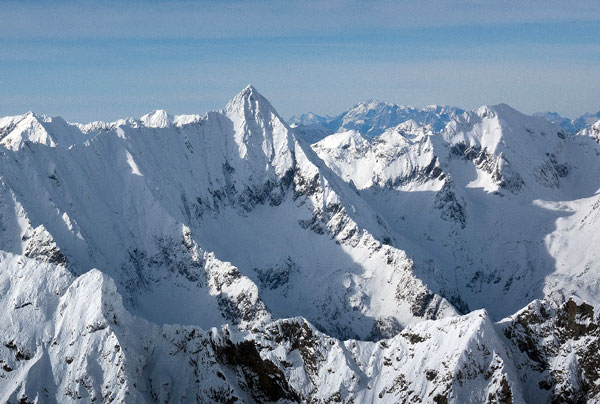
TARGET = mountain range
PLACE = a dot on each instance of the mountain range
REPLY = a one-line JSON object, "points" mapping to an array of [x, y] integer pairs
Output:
{"points": [[389, 254], [371, 118], [571, 125]]}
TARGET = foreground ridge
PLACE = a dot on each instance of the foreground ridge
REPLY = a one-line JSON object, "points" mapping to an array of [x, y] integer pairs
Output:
{"points": [[71, 338]]}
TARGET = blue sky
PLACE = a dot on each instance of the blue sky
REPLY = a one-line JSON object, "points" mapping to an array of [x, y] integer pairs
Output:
{"points": [[105, 60]]}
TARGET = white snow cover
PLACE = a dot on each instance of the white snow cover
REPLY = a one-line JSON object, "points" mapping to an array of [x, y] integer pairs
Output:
{"points": [[17, 131], [219, 258]]}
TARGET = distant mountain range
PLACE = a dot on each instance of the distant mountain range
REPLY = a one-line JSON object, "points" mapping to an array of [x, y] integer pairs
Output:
{"points": [[571, 125], [371, 118]]}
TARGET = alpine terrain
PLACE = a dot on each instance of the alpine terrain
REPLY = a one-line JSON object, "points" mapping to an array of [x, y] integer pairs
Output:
{"points": [[386, 255]]}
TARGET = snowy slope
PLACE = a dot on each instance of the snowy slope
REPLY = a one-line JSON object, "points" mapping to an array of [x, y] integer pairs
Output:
{"points": [[17, 131], [592, 131]]}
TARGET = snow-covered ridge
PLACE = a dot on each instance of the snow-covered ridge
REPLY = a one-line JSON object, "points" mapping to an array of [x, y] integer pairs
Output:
{"points": [[593, 131], [16, 131], [78, 330], [155, 119]]}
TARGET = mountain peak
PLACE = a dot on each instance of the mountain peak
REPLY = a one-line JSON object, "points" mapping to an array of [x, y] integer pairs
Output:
{"points": [[371, 103], [592, 131], [373, 117], [505, 108], [502, 110], [261, 137], [157, 119], [16, 130], [249, 104], [248, 93], [570, 125], [249, 89]]}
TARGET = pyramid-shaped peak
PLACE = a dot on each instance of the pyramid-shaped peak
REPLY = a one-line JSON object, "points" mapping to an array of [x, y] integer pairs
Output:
{"points": [[16, 130], [28, 118], [249, 102], [505, 108], [249, 89], [249, 93], [260, 137]]}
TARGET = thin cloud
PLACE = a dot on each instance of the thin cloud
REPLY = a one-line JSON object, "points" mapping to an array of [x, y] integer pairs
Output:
{"points": [[105, 60], [193, 19]]}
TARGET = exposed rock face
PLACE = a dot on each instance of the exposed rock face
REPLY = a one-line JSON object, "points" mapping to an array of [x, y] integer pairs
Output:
{"points": [[557, 351], [450, 208], [81, 343], [497, 166]]}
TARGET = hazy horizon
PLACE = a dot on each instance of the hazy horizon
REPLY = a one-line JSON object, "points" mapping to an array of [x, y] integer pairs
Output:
{"points": [[90, 61]]}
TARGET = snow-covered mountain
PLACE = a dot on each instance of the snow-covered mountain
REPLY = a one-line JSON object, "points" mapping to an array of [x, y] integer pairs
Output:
{"points": [[222, 258], [232, 195], [371, 118]]}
